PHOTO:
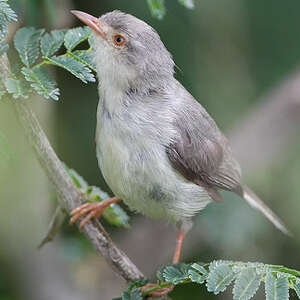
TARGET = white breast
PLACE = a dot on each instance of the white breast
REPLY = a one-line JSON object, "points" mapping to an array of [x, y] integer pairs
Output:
{"points": [[135, 165]]}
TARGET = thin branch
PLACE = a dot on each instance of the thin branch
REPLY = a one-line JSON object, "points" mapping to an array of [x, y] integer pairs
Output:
{"points": [[69, 195]]}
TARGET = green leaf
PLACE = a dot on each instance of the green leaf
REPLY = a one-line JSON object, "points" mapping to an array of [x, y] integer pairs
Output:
{"points": [[7, 12], [76, 36], [78, 179], [85, 57], [41, 82], [3, 27], [176, 274], [196, 277], [276, 288], [297, 289], [17, 87], [6, 15], [194, 273], [134, 294], [247, 284], [200, 268], [51, 42], [285, 270], [219, 278], [187, 3], [73, 66], [217, 263], [27, 44], [3, 47], [157, 8]]}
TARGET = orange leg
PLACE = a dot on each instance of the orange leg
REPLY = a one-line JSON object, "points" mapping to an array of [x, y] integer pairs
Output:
{"points": [[164, 291], [91, 211], [178, 249]]}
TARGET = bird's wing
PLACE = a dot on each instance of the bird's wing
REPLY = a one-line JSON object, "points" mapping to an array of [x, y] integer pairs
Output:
{"points": [[201, 153]]}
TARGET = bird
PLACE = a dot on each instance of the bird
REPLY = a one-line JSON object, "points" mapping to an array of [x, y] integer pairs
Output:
{"points": [[157, 147]]}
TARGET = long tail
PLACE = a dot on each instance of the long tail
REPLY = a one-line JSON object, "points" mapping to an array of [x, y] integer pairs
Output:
{"points": [[258, 204]]}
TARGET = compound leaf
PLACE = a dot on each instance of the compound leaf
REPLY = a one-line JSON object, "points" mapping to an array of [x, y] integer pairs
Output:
{"points": [[41, 82], [27, 44], [7, 12], [134, 294], [247, 284], [199, 268], [297, 289], [17, 87], [73, 66], [3, 47], [6, 15], [276, 288], [194, 273], [219, 278], [176, 274], [157, 8], [196, 277], [51, 42], [76, 36]]}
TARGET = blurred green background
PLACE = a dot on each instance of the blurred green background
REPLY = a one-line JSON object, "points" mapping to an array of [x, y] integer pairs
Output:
{"points": [[234, 56]]}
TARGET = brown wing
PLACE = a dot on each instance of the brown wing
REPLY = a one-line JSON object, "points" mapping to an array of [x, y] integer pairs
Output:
{"points": [[201, 153]]}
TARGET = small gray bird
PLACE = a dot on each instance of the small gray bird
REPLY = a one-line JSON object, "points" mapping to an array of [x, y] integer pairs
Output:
{"points": [[157, 147]]}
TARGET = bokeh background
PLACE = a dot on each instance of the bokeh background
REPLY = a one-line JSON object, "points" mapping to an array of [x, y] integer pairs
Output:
{"points": [[241, 60]]}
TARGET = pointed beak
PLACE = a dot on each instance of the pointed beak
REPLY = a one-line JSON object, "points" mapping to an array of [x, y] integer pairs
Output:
{"points": [[90, 21]]}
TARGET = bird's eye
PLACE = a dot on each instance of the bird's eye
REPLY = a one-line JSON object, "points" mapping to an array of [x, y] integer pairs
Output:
{"points": [[119, 40]]}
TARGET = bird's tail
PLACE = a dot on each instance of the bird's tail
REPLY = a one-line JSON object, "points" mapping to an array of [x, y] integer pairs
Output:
{"points": [[258, 204]]}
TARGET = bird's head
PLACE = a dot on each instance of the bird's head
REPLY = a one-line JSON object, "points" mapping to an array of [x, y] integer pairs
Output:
{"points": [[128, 52]]}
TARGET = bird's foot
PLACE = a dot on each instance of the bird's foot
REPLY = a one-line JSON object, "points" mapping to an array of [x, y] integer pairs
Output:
{"points": [[158, 292], [91, 211]]}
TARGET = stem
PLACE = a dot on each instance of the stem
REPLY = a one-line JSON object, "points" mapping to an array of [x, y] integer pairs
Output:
{"points": [[69, 53], [41, 64], [69, 195]]}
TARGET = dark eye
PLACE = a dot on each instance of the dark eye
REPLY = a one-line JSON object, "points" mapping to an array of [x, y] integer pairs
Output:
{"points": [[119, 40]]}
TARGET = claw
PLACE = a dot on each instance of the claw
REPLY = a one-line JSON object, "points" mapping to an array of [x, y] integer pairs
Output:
{"points": [[91, 215], [84, 210], [90, 211], [79, 214], [76, 210]]}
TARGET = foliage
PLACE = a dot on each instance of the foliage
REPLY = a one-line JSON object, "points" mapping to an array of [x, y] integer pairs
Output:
{"points": [[33, 44], [158, 8], [218, 275], [27, 44], [37, 50], [6, 15], [3, 47]]}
